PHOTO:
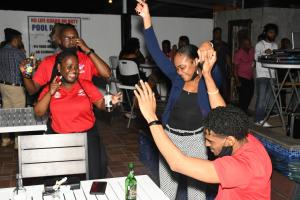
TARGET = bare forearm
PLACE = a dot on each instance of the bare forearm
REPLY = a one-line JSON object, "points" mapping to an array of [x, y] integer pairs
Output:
{"points": [[42, 106], [101, 66], [100, 104], [215, 98], [147, 21], [202, 170], [31, 86]]}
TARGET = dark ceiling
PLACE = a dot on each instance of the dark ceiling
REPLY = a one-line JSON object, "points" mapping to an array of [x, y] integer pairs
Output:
{"points": [[171, 8]]}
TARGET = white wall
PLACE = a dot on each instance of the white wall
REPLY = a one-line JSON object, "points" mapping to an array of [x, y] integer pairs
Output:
{"points": [[103, 32], [171, 28], [100, 32]]}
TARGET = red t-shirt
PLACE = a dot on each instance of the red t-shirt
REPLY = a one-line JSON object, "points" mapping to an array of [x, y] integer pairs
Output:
{"points": [[72, 110], [43, 74], [246, 174]]}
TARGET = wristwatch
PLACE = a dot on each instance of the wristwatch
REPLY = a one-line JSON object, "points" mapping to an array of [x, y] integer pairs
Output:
{"points": [[90, 51]]}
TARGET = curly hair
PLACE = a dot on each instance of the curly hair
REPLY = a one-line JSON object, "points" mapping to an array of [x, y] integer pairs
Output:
{"points": [[227, 121]]}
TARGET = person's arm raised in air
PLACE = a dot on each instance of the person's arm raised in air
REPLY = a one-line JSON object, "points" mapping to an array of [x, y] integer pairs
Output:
{"points": [[42, 105], [158, 56], [208, 57], [196, 168], [101, 66], [31, 86]]}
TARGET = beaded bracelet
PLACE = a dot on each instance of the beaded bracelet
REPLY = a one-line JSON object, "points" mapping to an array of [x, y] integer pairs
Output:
{"points": [[155, 122]]}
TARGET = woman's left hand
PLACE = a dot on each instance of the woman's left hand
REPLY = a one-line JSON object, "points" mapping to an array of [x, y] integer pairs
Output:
{"points": [[117, 98], [207, 56]]}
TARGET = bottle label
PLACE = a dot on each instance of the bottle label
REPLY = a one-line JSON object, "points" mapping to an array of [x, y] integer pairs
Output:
{"points": [[131, 192], [108, 101], [28, 70]]}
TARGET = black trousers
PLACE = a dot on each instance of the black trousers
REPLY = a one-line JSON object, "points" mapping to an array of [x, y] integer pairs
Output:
{"points": [[97, 156], [246, 91]]}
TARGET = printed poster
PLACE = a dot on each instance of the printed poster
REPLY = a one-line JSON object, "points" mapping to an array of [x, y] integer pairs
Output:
{"points": [[39, 28]]}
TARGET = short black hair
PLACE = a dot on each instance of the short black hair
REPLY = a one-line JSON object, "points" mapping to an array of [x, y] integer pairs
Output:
{"points": [[185, 39], [217, 29], [271, 27], [167, 42], [227, 121], [11, 34], [68, 26]]}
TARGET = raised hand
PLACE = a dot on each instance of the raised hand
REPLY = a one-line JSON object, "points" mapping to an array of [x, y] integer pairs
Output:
{"points": [[117, 98], [142, 8], [55, 84], [83, 46], [207, 56], [146, 100]]}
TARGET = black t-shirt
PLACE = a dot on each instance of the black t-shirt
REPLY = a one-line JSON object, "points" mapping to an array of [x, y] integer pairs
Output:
{"points": [[186, 114]]}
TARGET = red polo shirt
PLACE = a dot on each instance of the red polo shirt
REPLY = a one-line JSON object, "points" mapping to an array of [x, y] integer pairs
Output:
{"points": [[43, 74], [72, 110], [246, 174]]}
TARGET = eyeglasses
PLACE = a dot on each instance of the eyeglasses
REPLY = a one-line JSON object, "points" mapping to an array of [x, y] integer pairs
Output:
{"points": [[67, 38]]}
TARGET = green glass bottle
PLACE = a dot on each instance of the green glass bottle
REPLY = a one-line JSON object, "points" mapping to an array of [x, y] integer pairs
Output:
{"points": [[130, 184]]}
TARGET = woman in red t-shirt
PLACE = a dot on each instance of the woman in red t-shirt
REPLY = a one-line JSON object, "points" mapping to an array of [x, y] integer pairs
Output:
{"points": [[70, 102]]}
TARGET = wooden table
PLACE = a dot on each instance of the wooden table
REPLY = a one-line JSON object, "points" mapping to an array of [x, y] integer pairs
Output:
{"points": [[21, 120], [115, 190]]}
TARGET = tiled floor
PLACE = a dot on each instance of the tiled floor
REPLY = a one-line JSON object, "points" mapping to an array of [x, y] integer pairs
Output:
{"points": [[121, 144]]}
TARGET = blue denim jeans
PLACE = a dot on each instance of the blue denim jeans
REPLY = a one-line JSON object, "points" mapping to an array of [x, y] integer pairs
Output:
{"points": [[263, 96]]}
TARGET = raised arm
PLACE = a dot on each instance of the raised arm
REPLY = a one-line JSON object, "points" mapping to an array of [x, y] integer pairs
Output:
{"points": [[196, 168], [163, 62], [207, 56], [101, 66]]}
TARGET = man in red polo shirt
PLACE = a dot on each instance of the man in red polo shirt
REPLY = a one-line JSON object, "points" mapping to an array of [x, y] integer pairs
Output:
{"points": [[243, 167], [90, 64]]}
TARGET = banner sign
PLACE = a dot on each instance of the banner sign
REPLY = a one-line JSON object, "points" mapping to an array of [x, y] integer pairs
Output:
{"points": [[40, 27]]}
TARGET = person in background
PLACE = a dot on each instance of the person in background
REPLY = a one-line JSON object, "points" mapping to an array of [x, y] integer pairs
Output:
{"points": [[131, 51], [55, 36], [11, 84], [90, 63], [242, 168], [166, 48], [133, 44], [263, 76], [223, 61], [70, 102], [183, 41], [243, 72], [188, 102]]}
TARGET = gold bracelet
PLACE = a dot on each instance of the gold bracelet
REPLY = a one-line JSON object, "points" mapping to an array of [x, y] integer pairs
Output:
{"points": [[212, 93]]}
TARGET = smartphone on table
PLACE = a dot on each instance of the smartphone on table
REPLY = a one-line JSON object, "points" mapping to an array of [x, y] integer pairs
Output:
{"points": [[98, 187]]}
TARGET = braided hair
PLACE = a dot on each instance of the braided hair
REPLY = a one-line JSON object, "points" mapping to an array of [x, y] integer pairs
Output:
{"points": [[227, 121], [59, 58]]}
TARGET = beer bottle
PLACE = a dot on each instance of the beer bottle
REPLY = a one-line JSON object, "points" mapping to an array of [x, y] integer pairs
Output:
{"points": [[130, 184], [108, 99]]}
